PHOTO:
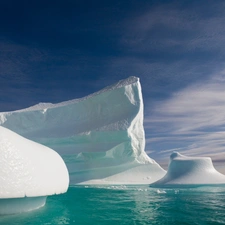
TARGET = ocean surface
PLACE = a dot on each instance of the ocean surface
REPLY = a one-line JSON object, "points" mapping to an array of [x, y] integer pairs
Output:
{"points": [[130, 205]]}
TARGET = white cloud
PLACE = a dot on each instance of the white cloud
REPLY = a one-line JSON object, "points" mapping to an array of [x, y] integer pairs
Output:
{"points": [[191, 121], [178, 28]]}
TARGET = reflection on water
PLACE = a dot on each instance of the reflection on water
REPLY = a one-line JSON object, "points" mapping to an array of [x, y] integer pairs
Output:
{"points": [[128, 205]]}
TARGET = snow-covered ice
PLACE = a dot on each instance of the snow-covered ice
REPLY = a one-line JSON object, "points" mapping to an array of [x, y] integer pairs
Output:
{"points": [[184, 170], [29, 172], [100, 137]]}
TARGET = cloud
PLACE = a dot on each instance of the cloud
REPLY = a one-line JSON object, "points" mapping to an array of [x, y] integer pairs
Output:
{"points": [[178, 50], [177, 27], [191, 121], [24, 77], [17, 59]]}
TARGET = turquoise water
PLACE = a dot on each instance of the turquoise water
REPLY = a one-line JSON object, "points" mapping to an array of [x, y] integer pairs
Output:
{"points": [[128, 205]]}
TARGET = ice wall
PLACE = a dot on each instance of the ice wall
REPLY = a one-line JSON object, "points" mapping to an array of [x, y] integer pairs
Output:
{"points": [[100, 137], [185, 171]]}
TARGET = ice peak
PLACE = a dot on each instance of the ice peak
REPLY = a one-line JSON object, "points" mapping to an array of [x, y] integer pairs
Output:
{"points": [[175, 155]]}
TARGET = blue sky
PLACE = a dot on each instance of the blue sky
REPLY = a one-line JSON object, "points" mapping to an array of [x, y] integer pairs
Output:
{"points": [[51, 51]]}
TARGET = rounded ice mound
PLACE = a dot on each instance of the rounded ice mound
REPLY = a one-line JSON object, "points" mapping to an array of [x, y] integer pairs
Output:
{"points": [[185, 170], [29, 172]]}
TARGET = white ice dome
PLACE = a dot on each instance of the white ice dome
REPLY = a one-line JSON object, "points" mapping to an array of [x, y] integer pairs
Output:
{"points": [[28, 173], [184, 170]]}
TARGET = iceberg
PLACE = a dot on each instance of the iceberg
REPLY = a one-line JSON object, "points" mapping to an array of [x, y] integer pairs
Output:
{"points": [[100, 137], [190, 171], [29, 172]]}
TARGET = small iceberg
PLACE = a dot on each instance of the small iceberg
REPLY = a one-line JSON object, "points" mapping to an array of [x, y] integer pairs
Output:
{"points": [[190, 171], [29, 173]]}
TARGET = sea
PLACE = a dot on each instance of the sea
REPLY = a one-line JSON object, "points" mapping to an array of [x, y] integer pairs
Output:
{"points": [[128, 205]]}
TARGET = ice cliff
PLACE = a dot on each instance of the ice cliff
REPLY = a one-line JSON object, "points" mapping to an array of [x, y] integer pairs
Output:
{"points": [[185, 171], [100, 137], [29, 172]]}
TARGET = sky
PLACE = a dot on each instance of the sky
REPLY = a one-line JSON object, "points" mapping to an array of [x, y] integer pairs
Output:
{"points": [[52, 51]]}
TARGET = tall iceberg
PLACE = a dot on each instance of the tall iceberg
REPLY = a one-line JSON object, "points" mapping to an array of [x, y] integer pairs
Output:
{"points": [[100, 137]]}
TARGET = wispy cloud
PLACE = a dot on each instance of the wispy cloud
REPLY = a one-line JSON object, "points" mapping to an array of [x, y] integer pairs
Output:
{"points": [[191, 121], [178, 27], [17, 67], [177, 49], [30, 74]]}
